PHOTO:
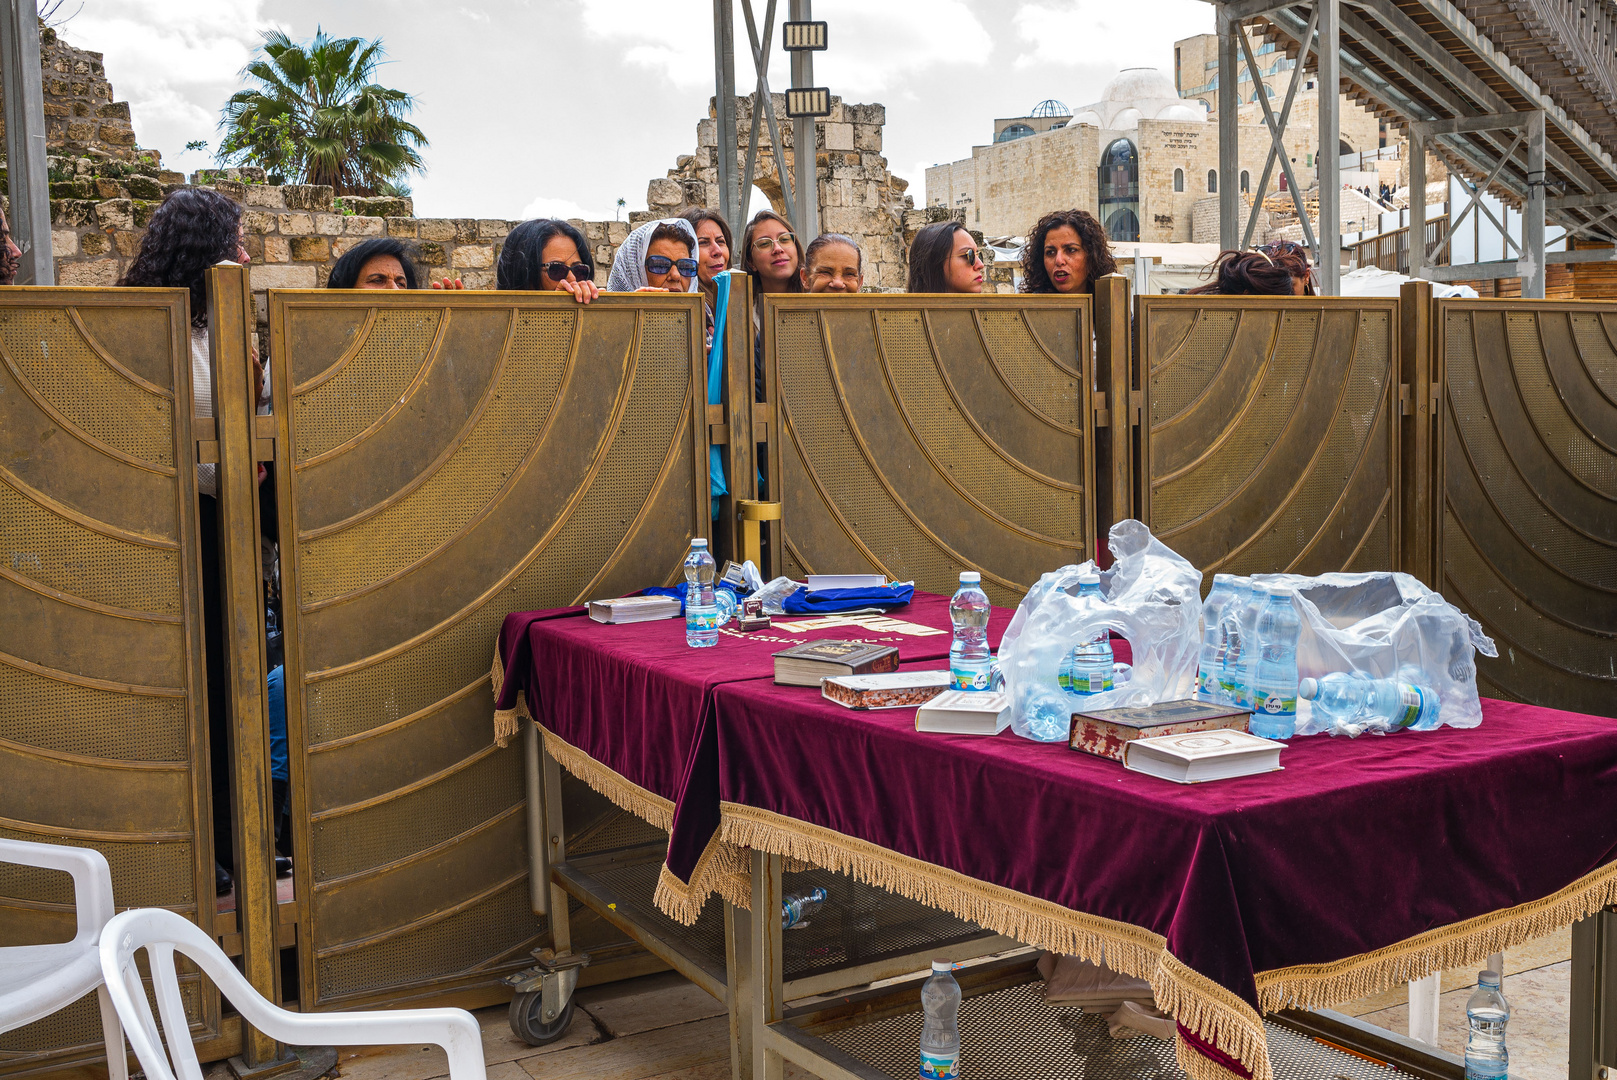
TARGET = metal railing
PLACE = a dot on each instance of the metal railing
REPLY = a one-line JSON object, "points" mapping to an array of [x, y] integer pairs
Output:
{"points": [[1390, 250]]}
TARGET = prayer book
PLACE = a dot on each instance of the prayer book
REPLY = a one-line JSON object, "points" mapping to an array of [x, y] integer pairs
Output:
{"points": [[1107, 731], [965, 712], [816, 582], [894, 690], [1197, 756], [630, 609], [808, 663]]}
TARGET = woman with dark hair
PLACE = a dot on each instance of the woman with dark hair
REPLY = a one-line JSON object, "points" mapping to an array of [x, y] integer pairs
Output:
{"points": [[659, 256], [381, 262], [1066, 251], [193, 229], [713, 244], [944, 259], [1279, 269], [833, 263], [547, 255], [770, 254]]}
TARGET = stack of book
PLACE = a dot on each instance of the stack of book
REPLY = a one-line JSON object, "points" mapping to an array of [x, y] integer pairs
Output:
{"points": [[633, 609]]}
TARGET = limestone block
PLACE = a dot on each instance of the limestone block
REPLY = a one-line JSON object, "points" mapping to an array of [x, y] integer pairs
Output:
{"points": [[109, 189], [401, 226], [115, 214], [96, 272], [95, 243], [479, 279], [64, 243], [838, 113], [270, 276], [276, 249], [114, 110], [431, 253], [363, 226], [867, 137], [664, 192], [308, 197], [343, 246], [707, 133], [310, 248], [617, 232], [870, 160], [490, 229], [843, 219], [79, 131], [127, 243], [328, 224], [296, 224], [258, 221], [437, 229], [839, 136], [378, 206], [472, 256], [465, 230], [263, 195], [603, 261], [594, 231], [640, 217]]}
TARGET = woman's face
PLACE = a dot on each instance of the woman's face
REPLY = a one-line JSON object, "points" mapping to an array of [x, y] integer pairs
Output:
{"points": [[1065, 260], [1299, 286], [835, 269], [963, 272], [712, 253], [382, 272], [558, 249], [774, 255], [673, 250], [241, 245]]}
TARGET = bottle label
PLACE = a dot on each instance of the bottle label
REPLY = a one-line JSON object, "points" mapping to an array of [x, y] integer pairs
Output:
{"points": [[1411, 698], [1092, 684], [1474, 1070], [1278, 706], [701, 618], [969, 676], [940, 1066]]}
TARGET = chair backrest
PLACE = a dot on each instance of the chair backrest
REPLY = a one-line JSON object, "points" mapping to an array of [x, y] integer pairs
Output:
{"points": [[92, 879], [161, 933]]}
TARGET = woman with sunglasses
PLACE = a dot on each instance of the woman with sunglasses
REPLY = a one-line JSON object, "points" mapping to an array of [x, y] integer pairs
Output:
{"points": [[944, 259], [1279, 269], [1066, 251], [659, 256], [547, 255]]}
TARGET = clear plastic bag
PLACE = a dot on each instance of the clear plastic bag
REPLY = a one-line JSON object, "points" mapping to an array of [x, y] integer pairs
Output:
{"points": [[1386, 625], [1152, 597]]}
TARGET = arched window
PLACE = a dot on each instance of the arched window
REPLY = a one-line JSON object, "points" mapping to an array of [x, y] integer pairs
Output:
{"points": [[1015, 131], [1212, 181], [1246, 181], [1119, 190], [1179, 179]]}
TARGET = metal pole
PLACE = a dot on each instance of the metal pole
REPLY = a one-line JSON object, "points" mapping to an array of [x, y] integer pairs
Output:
{"points": [[25, 141], [1534, 271], [1229, 134], [1330, 140], [724, 108], [804, 153], [1417, 199]]}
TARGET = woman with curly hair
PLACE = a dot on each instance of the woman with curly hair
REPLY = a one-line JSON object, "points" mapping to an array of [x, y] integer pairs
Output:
{"points": [[1279, 269], [1066, 251]]}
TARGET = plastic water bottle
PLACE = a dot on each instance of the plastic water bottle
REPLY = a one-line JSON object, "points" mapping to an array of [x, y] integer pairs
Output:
{"points": [[1274, 680], [1353, 703], [1237, 641], [701, 610], [968, 655], [1488, 1012], [796, 909], [1210, 672], [1091, 662], [940, 1030]]}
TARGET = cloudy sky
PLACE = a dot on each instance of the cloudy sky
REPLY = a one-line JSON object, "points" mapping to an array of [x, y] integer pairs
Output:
{"points": [[542, 107]]}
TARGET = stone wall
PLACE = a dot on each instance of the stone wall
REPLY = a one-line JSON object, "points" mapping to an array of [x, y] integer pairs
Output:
{"points": [[81, 118]]}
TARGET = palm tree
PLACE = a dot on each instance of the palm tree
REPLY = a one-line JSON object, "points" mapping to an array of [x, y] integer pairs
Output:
{"points": [[317, 117]]}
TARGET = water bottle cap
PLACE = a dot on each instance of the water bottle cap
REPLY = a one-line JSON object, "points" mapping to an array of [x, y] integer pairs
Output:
{"points": [[1259, 589], [1488, 978], [1090, 578], [698, 542], [970, 577], [1223, 579], [1307, 688], [943, 965]]}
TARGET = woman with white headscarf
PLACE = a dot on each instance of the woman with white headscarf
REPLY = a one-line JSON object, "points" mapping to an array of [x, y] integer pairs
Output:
{"points": [[659, 256]]}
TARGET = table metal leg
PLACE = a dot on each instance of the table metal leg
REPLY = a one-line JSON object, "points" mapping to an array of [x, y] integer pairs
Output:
{"points": [[561, 931], [740, 988], [1592, 1019], [538, 848], [769, 1005]]}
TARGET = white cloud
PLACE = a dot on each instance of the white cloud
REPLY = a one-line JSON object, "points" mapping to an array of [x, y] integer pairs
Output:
{"points": [[543, 206], [1065, 33]]}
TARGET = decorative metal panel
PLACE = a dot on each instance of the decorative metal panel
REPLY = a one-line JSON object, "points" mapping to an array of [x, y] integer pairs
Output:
{"points": [[453, 458], [919, 436], [102, 708], [1527, 530], [1270, 436]]}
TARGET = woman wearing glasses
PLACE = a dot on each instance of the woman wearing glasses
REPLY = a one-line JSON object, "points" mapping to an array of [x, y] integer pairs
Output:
{"points": [[1066, 251], [547, 255], [944, 259], [770, 254], [1279, 269], [659, 256]]}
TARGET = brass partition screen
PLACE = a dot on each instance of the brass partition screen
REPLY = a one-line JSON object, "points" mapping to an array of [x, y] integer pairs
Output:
{"points": [[919, 436], [1270, 436], [103, 732], [453, 458], [1527, 530]]}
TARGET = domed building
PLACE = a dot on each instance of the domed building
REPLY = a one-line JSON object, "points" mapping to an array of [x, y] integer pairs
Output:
{"points": [[1143, 159]]}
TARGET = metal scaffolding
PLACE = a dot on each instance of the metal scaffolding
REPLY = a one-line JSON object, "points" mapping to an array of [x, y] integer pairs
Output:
{"points": [[26, 169]]}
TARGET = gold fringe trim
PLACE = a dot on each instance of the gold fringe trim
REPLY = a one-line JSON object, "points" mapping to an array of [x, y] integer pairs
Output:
{"points": [[728, 877], [1197, 1067], [1214, 1014], [1462, 945], [624, 794], [507, 722]]}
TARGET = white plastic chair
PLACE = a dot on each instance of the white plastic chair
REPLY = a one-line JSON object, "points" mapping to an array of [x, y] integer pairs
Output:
{"points": [[161, 933], [37, 980]]}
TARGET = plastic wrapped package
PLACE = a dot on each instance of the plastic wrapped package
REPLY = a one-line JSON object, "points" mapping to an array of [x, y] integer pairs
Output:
{"points": [[1386, 626], [1150, 595]]}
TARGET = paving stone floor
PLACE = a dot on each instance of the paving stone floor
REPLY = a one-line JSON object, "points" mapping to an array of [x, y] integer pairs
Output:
{"points": [[662, 1027]]}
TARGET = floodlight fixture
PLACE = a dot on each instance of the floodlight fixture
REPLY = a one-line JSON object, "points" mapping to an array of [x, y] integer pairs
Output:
{"points": [[808, 101], [803, 36]]}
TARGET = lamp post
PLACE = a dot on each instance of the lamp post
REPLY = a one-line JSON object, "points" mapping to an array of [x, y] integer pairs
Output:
{"points": [[803, 37]]}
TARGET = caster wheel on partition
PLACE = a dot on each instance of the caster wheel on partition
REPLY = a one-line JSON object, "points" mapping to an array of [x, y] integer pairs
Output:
{"points": [[528, 1021]]}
